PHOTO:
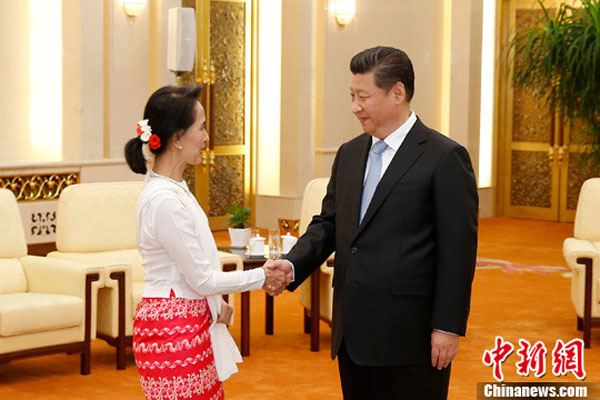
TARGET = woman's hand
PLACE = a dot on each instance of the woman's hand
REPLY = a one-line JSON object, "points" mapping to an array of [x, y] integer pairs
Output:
{"points": [[275, 282], [226, 313]]}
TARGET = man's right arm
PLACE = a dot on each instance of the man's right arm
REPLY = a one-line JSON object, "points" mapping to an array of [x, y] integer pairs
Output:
{"points": [[318, 242]]}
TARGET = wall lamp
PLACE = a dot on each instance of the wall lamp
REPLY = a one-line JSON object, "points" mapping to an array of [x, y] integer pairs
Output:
{"points": [[344, 11], [133, 8]]}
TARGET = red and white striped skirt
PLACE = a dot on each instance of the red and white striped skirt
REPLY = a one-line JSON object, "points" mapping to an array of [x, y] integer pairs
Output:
{"points": [[172, 349]]}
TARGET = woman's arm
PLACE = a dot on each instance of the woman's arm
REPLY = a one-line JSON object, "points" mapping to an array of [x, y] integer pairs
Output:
{"points": [[174, 229]]}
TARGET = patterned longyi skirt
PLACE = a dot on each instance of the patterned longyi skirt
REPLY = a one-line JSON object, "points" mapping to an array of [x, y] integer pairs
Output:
{"points": [[172, 349]]}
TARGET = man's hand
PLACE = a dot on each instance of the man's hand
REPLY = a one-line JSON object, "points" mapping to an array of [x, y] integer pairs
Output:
{"points": [[226, 313], [279, 274], [444, 347]]}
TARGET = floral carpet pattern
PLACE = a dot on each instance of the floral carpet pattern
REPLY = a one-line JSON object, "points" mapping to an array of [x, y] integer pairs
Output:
{"points": [[507, 266]]}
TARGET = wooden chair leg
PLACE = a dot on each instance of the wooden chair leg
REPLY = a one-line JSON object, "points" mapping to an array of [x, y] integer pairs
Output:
{"points": [[86, 354], [587, 304], [306, 321], [121, 343], [315, 309]]}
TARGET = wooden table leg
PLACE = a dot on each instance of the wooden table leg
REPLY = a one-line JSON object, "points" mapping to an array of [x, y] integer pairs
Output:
{"points": [[245, 323], [315, 304], [268, 314]]}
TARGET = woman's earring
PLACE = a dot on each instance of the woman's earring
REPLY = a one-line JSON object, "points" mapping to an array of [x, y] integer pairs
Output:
{"points": [[180, 147]]}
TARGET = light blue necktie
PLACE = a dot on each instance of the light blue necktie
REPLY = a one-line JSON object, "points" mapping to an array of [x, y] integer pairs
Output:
{"points": [[373, 177]]}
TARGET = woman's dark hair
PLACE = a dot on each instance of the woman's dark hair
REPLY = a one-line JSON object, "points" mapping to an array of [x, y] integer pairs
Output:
{"points": [[390, 66], [168, 110]]}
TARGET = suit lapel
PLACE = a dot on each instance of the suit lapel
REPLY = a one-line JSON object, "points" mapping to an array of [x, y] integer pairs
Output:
{"points": [[411, 149], [355, 176]]}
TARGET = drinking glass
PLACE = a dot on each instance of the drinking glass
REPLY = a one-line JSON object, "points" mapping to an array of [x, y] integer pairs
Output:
{"points": [[274, 243]]}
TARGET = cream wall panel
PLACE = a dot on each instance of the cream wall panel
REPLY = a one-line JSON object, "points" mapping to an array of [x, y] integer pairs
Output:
{"points": [[413, 26], [316, 53], [14, 81], [270, 208], [159, 74], [298, 73], [72, 78], [92, 83], [129, 74]]}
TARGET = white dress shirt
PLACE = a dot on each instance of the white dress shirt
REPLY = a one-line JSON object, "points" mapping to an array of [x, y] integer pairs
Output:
{"points": [[393, 141]]}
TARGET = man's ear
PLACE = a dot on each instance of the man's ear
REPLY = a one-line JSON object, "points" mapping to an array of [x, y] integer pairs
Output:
{"points": [[399, 92]]}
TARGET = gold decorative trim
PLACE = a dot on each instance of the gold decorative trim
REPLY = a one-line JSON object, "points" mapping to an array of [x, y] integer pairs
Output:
{"points": [[289, 225], [38, 187]]}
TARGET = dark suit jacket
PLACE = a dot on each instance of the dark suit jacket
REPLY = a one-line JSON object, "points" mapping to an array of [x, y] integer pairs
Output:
{"points": [[408, 267]]}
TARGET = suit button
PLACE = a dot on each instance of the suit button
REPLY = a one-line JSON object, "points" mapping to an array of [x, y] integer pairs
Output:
{"points": [[354, 250]]}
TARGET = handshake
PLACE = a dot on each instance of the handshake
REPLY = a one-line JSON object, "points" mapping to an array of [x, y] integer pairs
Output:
{"points": [[279, 274]]}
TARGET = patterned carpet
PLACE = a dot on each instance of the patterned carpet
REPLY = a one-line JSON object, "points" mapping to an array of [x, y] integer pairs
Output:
{"points": [[507, 266], [527, 298]]}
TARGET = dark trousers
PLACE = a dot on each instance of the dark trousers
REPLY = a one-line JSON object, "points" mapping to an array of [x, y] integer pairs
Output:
{"points": [[405, 382]]}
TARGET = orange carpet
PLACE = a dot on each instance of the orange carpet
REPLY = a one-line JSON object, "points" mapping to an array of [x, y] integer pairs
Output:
{"points": [[515, 300]]}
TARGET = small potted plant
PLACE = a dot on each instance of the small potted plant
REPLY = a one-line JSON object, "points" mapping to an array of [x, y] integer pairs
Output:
{"points": [[239, 230]]}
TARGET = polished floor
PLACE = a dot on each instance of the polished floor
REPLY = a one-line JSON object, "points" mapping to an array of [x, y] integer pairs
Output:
{"points": [[521, 291]]}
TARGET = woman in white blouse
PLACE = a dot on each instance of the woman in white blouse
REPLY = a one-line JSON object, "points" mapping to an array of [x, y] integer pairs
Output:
{"points": [[182, 347]]}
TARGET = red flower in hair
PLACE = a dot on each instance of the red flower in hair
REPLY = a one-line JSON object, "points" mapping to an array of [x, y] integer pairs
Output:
{"points": [[139, 130], [154, 142]]}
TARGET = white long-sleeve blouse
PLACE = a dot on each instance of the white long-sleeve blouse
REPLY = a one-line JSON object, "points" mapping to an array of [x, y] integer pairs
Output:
{"points": [[177, 246]]}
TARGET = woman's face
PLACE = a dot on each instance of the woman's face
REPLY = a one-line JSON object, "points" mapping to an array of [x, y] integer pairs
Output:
{"points": [[194, 139]]}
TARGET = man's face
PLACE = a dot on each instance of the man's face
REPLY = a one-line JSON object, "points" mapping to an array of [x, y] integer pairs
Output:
{"points": [[376, 109]]}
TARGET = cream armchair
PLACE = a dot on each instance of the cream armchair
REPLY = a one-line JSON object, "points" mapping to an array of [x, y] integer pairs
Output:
{"points": [[316, 299], [46, 305], [582, 254], [96, 224]]}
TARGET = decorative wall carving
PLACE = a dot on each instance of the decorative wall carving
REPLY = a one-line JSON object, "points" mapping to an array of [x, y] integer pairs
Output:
{"points": [[531, 179], [227, 52], [532, 119], [38, 187], [226, 184], [289, 225], [43, 223], [577, 135]]}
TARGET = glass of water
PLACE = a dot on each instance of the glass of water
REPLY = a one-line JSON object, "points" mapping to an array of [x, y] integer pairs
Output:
{"points": [[274, 243]]}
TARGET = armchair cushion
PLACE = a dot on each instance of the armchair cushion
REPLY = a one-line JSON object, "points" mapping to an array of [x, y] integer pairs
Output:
{"points": [[12, 277], [33, 312], [13, 243], [576, 248], [95, 217], [47, 275], [572, 250], [588, 210]]}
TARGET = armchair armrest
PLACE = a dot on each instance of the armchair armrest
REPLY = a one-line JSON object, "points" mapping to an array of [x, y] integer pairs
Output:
{"points": [[110, 278], [328, 265], [229, 258], [47, 275], [577, 248]]}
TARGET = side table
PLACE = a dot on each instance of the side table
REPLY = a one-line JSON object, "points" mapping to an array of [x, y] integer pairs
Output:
{"points": [[251, 262]]}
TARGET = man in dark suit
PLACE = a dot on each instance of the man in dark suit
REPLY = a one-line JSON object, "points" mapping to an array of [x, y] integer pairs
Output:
{"points": [[401, 215]]}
